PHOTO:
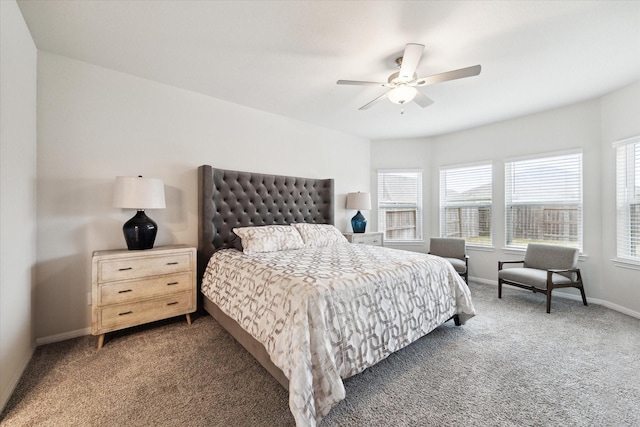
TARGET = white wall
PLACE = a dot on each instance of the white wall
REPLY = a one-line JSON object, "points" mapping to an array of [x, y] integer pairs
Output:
{"points": [[95, 124], [586, 126], [18, 58]]}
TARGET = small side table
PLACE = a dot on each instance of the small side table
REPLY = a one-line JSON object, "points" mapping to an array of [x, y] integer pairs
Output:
{"points": [[130, 288]]}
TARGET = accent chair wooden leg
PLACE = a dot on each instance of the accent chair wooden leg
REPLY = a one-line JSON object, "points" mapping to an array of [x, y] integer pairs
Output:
{"points": [[584, 297], [499, 288], [549, 299]]}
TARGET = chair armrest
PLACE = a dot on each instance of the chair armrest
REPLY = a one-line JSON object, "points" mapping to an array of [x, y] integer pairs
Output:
{"points": [[570, 270], [551, 271], [501, 263]]}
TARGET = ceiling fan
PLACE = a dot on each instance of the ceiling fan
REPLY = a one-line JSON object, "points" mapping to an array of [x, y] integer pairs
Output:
{"points": [[403, 84]]}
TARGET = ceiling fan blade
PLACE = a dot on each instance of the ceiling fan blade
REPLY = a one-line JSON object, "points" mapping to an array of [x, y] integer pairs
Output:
{"points": [[374, 102], [360, 83], [449, 75], [410, 59], [422, 100]]}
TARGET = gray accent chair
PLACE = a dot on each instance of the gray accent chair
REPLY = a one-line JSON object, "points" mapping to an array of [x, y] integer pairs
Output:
{"points": [[454, 251], [544, 268]]}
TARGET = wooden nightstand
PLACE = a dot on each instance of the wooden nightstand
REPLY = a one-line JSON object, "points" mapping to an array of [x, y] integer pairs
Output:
{"points": [[130, 288], [372, 238]]}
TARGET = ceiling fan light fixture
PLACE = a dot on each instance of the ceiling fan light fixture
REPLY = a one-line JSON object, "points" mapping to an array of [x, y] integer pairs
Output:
{"points": [[402, 94]]}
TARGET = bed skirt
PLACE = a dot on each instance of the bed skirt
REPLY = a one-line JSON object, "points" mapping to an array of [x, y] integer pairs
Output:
{"points": [[252, 345]]}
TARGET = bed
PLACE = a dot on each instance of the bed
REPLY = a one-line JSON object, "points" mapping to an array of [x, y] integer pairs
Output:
{"points": [[310, 307]]}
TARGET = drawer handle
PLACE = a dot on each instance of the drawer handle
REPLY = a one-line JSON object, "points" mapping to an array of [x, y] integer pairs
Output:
{"points": [[125, 291], [125, 313], [172, 303], [172, 263], [125, 269], [172, 283]]}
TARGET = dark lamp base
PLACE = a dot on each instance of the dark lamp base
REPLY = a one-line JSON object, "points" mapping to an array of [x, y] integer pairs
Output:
{"points": [[358, 223], [140, 232]]}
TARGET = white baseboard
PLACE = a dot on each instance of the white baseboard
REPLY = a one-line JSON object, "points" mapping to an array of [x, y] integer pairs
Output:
{"points": [[597, 301], [612, 306], [483, 281], [6, 394], [63, 336]]}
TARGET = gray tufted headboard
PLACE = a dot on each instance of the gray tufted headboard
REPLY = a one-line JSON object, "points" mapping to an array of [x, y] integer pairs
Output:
{"points": [[228, 199]]}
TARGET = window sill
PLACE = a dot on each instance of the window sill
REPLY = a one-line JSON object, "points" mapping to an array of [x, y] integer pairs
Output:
{"points": [[481, 248], [626, 263], [514, 250]]}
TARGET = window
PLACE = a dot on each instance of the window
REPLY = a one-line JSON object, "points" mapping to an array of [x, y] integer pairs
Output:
{"points": [[628, 198], [400, 204], [543, 199], [465, 203]]}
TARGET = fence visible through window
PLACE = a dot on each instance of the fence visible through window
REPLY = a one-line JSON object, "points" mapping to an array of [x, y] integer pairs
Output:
{"points": [[400, 205], [472, 223], [466, 203], [401, 224], [543, 200], [545, 224], [634, 226]]}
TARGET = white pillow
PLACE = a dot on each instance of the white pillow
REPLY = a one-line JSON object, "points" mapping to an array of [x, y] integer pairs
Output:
{"points": [[319, 235], [269, 238]]}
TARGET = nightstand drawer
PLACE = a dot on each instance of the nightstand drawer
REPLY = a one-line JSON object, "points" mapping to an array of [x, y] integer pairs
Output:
{"points": [[371, 238], [374, 240], [121, 292], [133, 268], [125, 315]]}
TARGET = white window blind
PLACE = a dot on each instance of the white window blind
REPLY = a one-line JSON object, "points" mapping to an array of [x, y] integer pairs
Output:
{"points": [[628, 198], [400, 204], [465, 203], [543, 198]]}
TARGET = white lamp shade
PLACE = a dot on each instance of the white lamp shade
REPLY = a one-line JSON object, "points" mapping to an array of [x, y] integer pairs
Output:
{"points": [[402, 94], [131, 192], [359, 201]]}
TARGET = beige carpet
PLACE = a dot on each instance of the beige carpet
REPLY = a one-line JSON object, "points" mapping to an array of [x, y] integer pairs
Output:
{"points": [[513, 364]]}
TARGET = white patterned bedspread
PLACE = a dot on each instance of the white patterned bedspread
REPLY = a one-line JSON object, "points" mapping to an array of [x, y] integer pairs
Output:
{"points": [[324, 314]]}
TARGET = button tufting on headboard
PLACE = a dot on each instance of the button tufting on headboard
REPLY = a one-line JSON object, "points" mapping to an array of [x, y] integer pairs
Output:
{"points": [[229, 199]]}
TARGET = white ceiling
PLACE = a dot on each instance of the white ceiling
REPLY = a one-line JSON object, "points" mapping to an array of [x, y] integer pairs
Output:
{"points": [[284, 57]]}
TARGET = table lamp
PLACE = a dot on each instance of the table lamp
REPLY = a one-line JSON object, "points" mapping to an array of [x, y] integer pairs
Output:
{"points": [[359, 201], [139, 193]]}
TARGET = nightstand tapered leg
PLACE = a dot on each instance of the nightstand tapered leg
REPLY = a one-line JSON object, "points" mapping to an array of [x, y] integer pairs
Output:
{"points": [[188, 318], [100, 341]]}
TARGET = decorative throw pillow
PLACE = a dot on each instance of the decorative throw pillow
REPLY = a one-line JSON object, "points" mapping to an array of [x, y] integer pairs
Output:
{"points": [[319, 235], [269, 238]]}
